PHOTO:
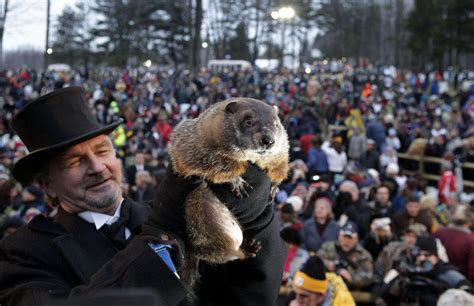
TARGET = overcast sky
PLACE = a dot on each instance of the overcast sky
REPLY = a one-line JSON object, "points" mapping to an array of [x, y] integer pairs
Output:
{"points": [[26, 23]]}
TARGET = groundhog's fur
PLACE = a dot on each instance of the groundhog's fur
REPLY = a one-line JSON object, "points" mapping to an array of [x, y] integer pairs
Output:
{"points": [[218, 146]]}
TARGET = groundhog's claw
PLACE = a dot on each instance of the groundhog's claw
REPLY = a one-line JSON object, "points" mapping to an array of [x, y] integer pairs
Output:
{"points": [[240, 187], [251, 247]]}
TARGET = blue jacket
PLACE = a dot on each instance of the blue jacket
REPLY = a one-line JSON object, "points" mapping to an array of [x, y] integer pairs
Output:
{"points": [[311, 238], [317, 161]]}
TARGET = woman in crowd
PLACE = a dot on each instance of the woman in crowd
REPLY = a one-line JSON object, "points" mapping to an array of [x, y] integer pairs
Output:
{"points": [[322, 227]]}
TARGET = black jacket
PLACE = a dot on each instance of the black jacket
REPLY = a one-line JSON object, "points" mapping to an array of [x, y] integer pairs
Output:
{"points": [[67, 256]]}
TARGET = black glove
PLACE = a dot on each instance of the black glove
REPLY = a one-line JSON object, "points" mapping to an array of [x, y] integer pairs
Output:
{"points": [[253, 212], [169, 210]]}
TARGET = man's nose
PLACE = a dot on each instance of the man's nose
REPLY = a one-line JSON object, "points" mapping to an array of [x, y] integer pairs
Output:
{"points": [[96, 165]]}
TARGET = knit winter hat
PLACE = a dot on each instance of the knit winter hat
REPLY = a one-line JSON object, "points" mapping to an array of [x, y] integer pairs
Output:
{"points": [[291, 235], [428, 244], [312, 276]]}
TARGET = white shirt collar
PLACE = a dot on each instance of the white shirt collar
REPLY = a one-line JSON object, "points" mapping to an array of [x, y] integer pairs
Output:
{"points": [[99, 219]]}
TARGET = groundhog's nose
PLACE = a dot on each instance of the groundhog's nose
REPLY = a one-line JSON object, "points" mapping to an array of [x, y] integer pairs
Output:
{"points": [[267, 141]]}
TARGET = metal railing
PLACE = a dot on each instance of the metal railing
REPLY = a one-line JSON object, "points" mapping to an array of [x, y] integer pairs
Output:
{"points": [[422, 160]]}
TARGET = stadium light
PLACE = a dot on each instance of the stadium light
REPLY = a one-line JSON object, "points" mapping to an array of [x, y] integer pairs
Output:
{"points": [[204, 45], [49, 51], [147, 63], [286, 12]]}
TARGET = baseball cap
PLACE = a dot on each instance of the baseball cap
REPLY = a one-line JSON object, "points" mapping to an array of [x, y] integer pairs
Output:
{"points": [[350, 229]]}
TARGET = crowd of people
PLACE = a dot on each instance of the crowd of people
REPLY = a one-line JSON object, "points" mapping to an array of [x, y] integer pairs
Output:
{"points": [[350, 211]]}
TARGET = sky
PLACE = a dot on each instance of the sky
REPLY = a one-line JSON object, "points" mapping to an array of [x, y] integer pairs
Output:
{"points": [[26, 23]]}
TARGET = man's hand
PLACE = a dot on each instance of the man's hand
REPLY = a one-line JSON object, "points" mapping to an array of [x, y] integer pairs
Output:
{"points": [[345, 274], [169, 207], [251, 211], [331, 266]]}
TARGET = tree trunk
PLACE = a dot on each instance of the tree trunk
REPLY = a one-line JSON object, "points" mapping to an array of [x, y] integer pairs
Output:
{"points": [[197, 35], [3, 18]]}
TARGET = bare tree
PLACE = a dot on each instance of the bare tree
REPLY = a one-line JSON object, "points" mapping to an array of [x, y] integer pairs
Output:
{"points": [[3, 18]]}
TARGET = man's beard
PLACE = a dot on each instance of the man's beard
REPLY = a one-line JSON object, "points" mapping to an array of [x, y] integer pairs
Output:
{"points": [[105, 201]]}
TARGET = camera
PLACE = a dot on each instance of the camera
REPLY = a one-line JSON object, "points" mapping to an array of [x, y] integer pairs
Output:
{"points": [[409, 265], [340, 265]]}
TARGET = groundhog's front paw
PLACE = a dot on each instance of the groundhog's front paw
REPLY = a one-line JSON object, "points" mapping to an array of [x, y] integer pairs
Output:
{"points": [[251, 247], [240, 187]]}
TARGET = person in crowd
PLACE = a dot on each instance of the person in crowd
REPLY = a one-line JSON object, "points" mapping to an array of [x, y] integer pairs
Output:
{"points": [[376, 131], [297, 255], [429, 203], [347, 258], [391, 179], [138, 165], [101, 240], [337, 158], [444, 211], [357, 144], [317, 158], [455, 297], [381, 207], [388, 156], [400, 200], [30, 213], [393, 140], [313, 286], [396, 251], [458, 240], [380, 235], [355, 209], [412, 214], [9, 225], [371, 158], [143, 191], [10, 196], [287, 214], [322, 227], [447, 183], [298, 172], [423, 277], [321, 186], [32, 197]]}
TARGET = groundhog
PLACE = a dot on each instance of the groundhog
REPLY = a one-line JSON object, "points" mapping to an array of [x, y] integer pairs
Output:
{"points": [[218, 146]]}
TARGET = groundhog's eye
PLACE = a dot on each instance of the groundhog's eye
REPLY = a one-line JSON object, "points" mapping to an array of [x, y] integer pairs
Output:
{"points": [[248, 122]]}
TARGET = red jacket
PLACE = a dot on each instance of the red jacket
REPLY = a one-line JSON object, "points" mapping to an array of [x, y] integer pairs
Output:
{"points": [[460, 248]]}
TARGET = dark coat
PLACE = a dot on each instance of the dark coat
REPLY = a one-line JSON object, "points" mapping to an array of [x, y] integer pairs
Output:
{"points": [[144, 196], [459, 245], [371, 159], [69, 257], [401, 221], [311, 238], [131, 172]]}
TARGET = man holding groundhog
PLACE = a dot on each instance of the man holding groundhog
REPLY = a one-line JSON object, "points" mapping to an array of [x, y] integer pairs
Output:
{"points": [[100, 240]]}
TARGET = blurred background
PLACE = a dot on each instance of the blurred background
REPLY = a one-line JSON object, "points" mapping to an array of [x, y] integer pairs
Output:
{"points": [[424, 34]]}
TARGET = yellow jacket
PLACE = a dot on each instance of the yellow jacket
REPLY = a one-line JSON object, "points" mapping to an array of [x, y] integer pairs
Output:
{"points": [[340, 295]]}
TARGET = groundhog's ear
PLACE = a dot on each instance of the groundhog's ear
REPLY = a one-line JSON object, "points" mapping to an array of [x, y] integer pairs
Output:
{"points": [[231, 108]]}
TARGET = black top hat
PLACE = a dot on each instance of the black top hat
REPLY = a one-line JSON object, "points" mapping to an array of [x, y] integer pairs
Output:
{"points": [[51, 124]]}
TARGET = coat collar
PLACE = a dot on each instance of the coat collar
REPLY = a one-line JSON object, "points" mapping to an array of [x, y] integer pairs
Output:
{"points": [[84, 248]]}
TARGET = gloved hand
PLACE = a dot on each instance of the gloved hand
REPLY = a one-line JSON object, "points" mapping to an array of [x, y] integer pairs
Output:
{"points": [[169, 210], [252, 212]]}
